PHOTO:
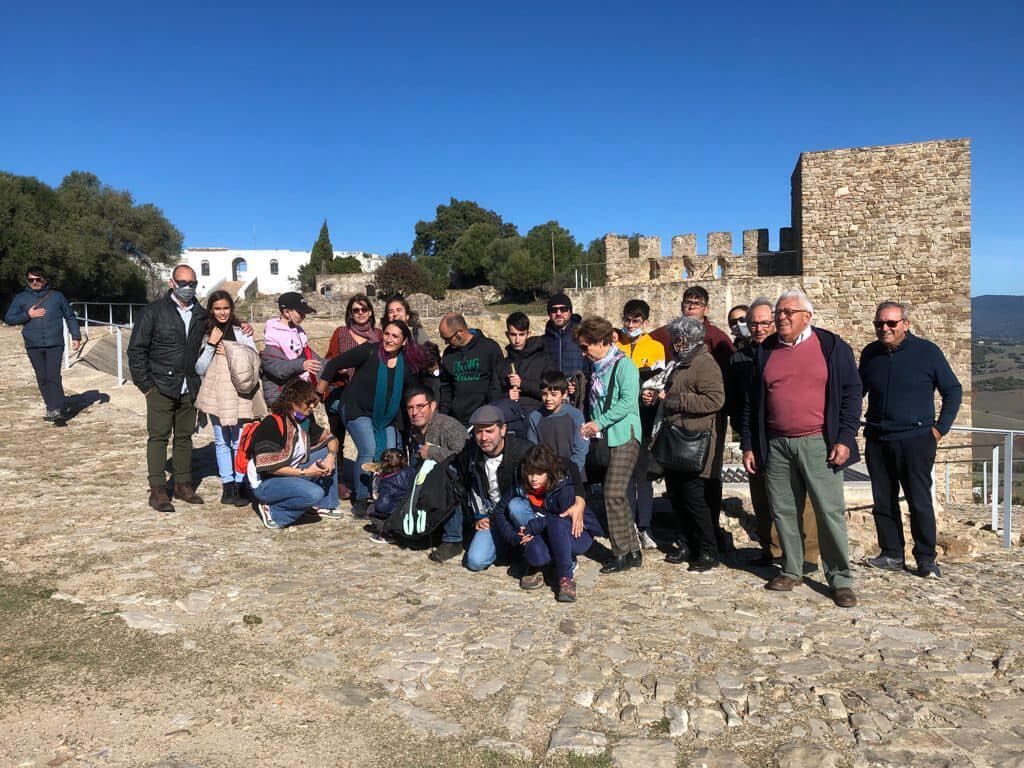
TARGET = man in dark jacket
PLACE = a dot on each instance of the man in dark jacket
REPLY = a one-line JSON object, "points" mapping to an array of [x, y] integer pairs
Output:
{"points": [[900, 373], [486, 469], [560, 338], [470, 368], [799, 425], [42, 312], [525, 362], [162, 353]]}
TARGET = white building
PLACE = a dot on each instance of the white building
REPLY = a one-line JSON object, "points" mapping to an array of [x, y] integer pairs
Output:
{"points": [[267, 271]]}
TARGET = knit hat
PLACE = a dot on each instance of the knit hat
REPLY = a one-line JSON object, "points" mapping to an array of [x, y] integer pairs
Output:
{"points": [[559, 300]]}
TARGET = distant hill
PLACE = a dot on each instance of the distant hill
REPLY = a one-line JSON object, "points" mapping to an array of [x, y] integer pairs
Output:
{"points": [[997, 317]]}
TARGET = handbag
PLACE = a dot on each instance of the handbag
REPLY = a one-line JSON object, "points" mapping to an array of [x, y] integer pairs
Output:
{"points": [[599, 454], [680, 450]]}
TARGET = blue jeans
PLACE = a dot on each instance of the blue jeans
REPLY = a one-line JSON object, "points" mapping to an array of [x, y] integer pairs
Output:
{"points": [[291, 497], [361, 431], [481, 552], [556, 543], [225, 443]]}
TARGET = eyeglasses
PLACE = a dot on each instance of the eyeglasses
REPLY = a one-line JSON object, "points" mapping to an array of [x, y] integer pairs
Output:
{"points": [[360, 310], [760, 323], [558, 310], [448, 339], [186, 283], [880, 324], [36, 279], [418, 406], [788, 313], [738, 320], [693, 304]]}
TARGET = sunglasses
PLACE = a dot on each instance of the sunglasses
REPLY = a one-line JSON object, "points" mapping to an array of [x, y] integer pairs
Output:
{"points": [[185, 283], [36, 279], [360, 310], [738, 320], [880, 324], [558, 310]]}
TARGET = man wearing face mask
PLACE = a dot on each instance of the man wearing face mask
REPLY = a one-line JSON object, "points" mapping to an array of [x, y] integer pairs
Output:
{"points": [[162, 353]]}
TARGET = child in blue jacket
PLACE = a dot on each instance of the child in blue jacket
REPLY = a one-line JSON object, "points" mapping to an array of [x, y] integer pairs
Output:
{"points": [[391, 483]]}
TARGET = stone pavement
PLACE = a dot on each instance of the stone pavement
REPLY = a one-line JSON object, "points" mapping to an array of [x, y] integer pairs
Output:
{"points": [[312, 646]]}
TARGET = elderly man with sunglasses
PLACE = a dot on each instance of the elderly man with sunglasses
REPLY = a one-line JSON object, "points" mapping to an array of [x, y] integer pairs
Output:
{"points": [[799, 425], [900, 373]]}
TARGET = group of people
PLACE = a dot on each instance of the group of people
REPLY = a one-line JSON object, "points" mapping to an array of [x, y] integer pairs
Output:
{"points": [[522, 439]]}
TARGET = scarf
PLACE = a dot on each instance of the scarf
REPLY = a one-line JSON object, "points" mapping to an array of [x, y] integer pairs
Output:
{"points": [[366, 330], [291, 340], [602, 368], [384, 408]]}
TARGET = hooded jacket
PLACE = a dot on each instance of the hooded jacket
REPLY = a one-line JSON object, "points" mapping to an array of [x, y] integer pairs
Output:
{"points": [[470, 376], [842, 399], [48, 330], [530, 362], [563, 348]]}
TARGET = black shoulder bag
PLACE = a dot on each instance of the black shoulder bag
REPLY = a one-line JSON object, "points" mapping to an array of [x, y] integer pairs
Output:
{"points": [[599, 455], [679, 450]]}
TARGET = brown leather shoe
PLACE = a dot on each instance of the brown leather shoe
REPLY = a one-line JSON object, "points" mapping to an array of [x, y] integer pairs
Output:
{"points": [[844, 597], [159, 500], [783, 583], [184, 492]]}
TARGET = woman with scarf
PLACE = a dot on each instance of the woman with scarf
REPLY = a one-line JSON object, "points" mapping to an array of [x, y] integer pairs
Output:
{"points": [[221, 366], [359, 328], [617, 419], [371, 401], [693, 396]]}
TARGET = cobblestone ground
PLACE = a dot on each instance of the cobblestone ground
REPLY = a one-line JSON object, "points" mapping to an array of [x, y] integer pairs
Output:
{"points": [[130, 638]]}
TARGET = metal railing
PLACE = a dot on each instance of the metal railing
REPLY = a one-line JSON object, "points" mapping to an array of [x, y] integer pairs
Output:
{"points": [[1007, 455], [104, 308], [116, 330]]}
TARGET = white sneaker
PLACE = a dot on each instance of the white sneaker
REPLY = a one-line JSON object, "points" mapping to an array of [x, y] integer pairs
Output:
{"points": [[265, 518], [647, 541], [333, 514]]}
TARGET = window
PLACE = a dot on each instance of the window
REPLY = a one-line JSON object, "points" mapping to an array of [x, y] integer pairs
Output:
{"points": [[273, 266], [204, 269]]}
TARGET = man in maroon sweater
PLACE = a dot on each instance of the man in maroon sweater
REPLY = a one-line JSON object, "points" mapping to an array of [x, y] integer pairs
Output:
{"points": [[799, 426], [695, 304]]}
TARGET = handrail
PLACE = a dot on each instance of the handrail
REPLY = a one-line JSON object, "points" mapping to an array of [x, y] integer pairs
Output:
{"points": [[119, 341], [1008, 462], [110, 311]]}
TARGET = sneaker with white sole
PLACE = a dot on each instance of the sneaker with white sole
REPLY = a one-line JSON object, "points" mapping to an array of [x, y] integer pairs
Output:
{"points": [[265, 518], [647, 541], [333, 514]]}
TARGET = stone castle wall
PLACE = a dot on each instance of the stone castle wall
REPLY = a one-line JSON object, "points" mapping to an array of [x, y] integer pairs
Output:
{"points": [[868, 224]]}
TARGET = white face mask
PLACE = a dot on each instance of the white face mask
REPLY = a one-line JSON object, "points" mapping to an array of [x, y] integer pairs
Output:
{"points": [[635, 333], [741, 331]]}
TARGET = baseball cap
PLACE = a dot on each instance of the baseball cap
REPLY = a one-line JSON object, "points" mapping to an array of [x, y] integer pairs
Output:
{"points": [[486, 415], [293, 300]]}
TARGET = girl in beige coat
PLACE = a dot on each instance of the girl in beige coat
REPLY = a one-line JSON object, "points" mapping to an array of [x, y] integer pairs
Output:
{"points": [[230, 393]]}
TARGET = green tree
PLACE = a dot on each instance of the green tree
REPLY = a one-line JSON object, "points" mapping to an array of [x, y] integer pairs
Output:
{"points": [[94, 240], [555, 246], [435, 240], [593, 271], [346, 265], [471, 259], [320, 259], [401, 274], [517, 272]]}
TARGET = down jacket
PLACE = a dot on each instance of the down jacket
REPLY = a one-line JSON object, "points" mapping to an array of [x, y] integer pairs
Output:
{"points": [[693, 398], [231, 382]]}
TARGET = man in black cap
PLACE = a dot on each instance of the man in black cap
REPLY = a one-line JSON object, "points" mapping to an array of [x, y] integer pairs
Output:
{"points": [[560, 337], [286, 351]]}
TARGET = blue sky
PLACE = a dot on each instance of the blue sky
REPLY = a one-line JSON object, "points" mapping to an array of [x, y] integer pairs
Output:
{"points": [[250, 125]]}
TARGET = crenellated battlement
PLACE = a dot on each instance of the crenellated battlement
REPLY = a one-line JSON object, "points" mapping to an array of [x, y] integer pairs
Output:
{"points": [[685, 263]]}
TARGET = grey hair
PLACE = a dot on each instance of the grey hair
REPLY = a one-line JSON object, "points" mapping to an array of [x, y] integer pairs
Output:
{"points": [[888, 304], [796, 293], [761, 301], [689, 329]]}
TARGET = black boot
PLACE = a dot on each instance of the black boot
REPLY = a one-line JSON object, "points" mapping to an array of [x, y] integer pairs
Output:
{"points": [[705, 561], [624, 562], [229, 493]]}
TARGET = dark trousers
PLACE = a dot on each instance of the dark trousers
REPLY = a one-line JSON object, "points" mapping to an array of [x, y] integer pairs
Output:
{"points": [[163, 416], [907, 463], [47, 362], [641, 491], [693, 516]]}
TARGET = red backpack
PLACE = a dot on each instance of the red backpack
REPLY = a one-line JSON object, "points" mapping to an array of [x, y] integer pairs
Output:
{"points": [[245, 442]]}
